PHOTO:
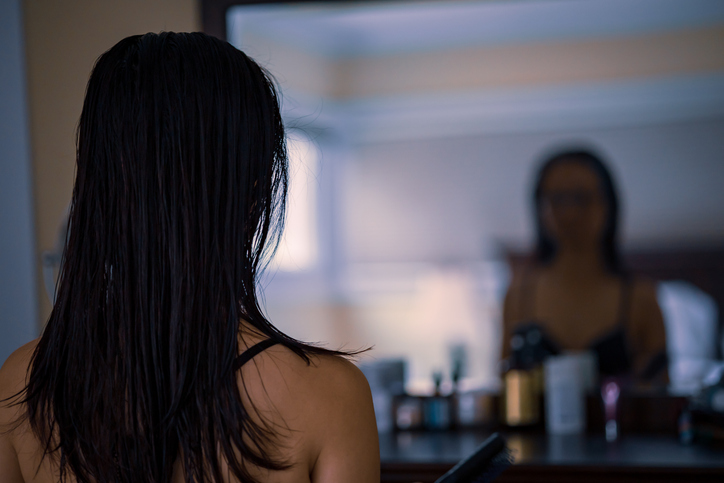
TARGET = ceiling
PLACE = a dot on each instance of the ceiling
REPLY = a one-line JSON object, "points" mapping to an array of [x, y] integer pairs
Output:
{"points": [[355, 29]]}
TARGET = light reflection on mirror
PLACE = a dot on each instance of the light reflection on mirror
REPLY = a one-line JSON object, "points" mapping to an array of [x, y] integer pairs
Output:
{"points": [[298, 247]]}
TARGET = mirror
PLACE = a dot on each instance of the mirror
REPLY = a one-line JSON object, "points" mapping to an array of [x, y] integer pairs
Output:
{"points": [[430, 118]]}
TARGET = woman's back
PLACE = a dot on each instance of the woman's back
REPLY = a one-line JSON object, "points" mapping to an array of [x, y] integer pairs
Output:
{"points": [[322, 414], [178, 202]]}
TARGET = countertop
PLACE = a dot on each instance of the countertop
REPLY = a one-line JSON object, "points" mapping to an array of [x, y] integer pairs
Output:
{"points": [[424, 456]]}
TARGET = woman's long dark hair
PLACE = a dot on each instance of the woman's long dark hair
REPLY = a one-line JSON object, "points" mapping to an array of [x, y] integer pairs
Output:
{"points": [[178, 201], [546, 247]]}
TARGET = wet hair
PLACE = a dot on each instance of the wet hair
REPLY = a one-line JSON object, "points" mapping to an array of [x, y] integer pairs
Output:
{"points": [[178, 203], [546, 246]]}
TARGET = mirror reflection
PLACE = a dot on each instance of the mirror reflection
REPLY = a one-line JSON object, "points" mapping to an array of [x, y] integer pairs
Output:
{"points": [[431, 120]]}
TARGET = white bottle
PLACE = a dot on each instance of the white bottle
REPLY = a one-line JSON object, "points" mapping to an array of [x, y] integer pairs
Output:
{"points": [[565, 395]]}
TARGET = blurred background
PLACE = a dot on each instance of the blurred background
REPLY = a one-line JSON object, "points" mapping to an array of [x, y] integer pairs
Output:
{"points": [[416, 129]]}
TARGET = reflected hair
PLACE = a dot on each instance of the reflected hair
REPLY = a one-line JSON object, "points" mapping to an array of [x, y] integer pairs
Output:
{"points": [[178, 203], [546, 247]]}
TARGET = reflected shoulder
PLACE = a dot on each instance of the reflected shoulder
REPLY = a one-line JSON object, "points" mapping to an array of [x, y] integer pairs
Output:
{"points": [[644, 291]]}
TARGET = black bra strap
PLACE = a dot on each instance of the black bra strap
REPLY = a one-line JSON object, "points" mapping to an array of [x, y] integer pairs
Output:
{"points": [[249, 354], [529, 287], [624, 307]]}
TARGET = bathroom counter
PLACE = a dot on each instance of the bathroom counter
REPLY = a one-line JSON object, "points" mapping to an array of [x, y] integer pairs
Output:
{"points": [[425, 456]]}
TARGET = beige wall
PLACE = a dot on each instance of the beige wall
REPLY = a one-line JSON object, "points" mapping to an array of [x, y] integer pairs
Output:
{"points": [[643, 56], [532, 64], [63, 40]]}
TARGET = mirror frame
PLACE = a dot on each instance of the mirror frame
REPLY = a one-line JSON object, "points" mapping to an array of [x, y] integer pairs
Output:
{"points": [[213, 12]]}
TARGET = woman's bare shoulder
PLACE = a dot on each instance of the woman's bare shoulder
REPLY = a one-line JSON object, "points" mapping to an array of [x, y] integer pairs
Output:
{"points": [[643, 293], [308, 386], [328, 406], [344, 423], [14, 371], [643, 285], [12, 382], [519, 281]]}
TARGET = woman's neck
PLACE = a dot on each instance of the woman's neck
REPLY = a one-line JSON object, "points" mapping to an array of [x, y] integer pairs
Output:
{"points": [[580, 264]]}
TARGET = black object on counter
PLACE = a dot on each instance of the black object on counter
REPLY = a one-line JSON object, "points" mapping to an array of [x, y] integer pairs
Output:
{"points": [[484, 465], [530, 346]]}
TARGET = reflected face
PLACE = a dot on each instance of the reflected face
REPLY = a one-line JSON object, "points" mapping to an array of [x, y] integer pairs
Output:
{"points": [[572, 205]]}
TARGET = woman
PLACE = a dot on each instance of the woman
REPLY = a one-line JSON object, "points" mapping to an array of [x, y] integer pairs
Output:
{"points": [[577, 290], [157, 363]]}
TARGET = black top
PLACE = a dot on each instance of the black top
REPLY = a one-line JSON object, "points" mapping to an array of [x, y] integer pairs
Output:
{"points": [[611, 349], [248, 354]]}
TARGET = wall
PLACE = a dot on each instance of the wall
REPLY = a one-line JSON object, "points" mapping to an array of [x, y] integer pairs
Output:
{"points": [[63, 40], [18, 296], [458, 199]]}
